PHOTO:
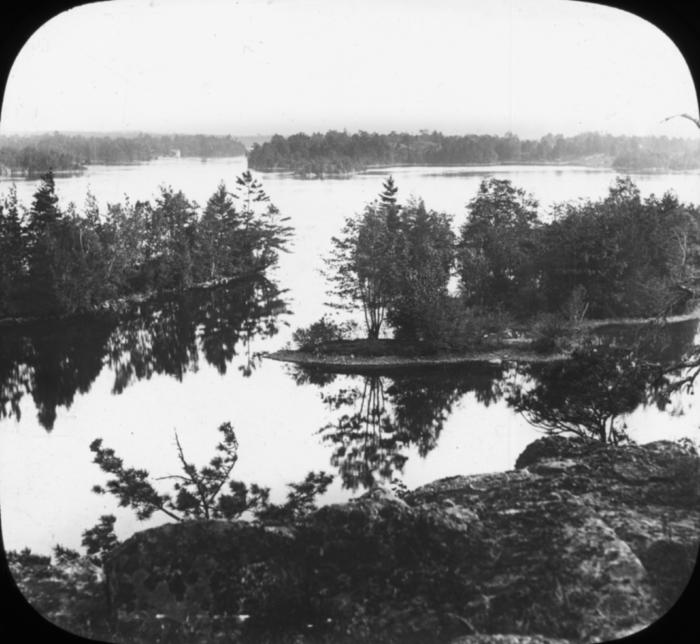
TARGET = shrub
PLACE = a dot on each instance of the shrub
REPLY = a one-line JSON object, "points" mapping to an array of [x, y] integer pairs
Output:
{"points": [[322, 331], [462, 327]]}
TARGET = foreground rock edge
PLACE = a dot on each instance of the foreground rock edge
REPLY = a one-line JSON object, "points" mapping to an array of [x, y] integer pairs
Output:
{"points": [[581, 542]]}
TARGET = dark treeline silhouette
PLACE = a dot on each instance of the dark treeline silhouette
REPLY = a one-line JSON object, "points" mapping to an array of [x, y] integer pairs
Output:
{"points": [[35, 154], [339, 152], [57, 261], [53, 360]]}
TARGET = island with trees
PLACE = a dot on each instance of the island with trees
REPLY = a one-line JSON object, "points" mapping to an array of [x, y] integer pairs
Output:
{"points": [[525, 288], [339, 153], [58, 261], [32, 155]]}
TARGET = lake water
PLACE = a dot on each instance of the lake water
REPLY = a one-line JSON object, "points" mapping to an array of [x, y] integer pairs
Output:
{"points": [[192, 364]]}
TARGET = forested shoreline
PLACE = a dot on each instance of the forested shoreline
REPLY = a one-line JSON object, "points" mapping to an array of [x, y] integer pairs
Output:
{"points": [[622, 256], [338, 153], [61, 261], [36, 154]]}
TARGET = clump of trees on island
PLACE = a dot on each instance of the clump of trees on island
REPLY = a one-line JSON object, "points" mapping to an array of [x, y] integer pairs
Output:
{"points": [[620, 256], [60, 261], [337, 152], [36, 154]]}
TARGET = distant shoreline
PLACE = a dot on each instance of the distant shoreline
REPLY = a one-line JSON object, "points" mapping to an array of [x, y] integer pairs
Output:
{"points": [[579, 163], [13, 173]]}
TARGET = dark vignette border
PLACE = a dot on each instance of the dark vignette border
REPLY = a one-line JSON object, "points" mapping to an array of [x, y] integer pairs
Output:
{"points": [[19, 19]]}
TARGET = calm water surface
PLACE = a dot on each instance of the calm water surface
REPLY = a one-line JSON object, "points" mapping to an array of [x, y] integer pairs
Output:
{"points": [[190, 364]]}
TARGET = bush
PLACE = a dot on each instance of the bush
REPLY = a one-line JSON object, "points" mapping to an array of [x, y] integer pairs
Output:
{"points": [[462, 327], [552, 333], [322, 331]]}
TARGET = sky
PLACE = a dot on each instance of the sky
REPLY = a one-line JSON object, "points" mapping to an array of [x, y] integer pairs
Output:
{"points": [[284, 66]]}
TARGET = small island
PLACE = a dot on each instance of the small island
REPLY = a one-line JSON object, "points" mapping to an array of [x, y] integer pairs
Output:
{"points": [[511, 286], [56, 263]]}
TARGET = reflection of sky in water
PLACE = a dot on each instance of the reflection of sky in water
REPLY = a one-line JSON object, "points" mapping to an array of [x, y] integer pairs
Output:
{"points": [[45, 478]]}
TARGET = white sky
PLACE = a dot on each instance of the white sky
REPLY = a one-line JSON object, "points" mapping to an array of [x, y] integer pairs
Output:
{"points": [[285, 66]]}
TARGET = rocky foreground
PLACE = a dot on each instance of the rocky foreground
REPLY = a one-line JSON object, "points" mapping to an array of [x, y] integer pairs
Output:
{"points": [[582, 542]]}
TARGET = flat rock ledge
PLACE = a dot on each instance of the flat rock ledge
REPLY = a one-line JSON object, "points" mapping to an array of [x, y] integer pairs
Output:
{"points": [[582, 542], [351, 363]]}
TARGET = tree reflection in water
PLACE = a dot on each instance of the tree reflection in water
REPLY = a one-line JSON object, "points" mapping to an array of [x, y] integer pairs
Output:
{"points": [[53, 360], [592, 393], [379, 417], [50, 361]]}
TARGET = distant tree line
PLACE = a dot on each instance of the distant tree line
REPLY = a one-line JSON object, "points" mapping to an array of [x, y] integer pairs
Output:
{"points": [[37, 154], [339, 152], [614, 257], [57, 261]]}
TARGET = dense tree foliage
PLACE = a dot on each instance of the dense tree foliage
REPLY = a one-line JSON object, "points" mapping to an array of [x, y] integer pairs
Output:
{"points": [[58, 261], [339, 152], [498, 247], [37, 154], [394, 261], [618, 256], [629, 256], [613, 257]]}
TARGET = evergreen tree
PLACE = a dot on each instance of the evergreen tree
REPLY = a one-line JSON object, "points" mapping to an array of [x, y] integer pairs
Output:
{"points": [[267, 233], [223, 244], [388, 195], [42, 247], [12, 260], [44, 210], [171, 239]]}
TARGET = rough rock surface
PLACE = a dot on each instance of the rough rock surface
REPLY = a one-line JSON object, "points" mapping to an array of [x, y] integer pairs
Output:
{"points": [[581, 542]]}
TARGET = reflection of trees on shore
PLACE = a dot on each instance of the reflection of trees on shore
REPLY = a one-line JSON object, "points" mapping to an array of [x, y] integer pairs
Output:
{"points": [[168, 337], [379, 417], [588, 395], [51, 361], [592, 393], [366, 441]]}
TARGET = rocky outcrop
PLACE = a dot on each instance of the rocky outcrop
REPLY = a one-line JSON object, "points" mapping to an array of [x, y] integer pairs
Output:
{"points": [[582, 542]]}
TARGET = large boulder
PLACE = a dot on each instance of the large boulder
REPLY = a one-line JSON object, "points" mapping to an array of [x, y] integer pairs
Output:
{"points": [[582, 542]]}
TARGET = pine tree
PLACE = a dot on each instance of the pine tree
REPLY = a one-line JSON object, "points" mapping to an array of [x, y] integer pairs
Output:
{"points": [[42, 234], [44, 210], [388, 195], [266, 232], [12, 252]]}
